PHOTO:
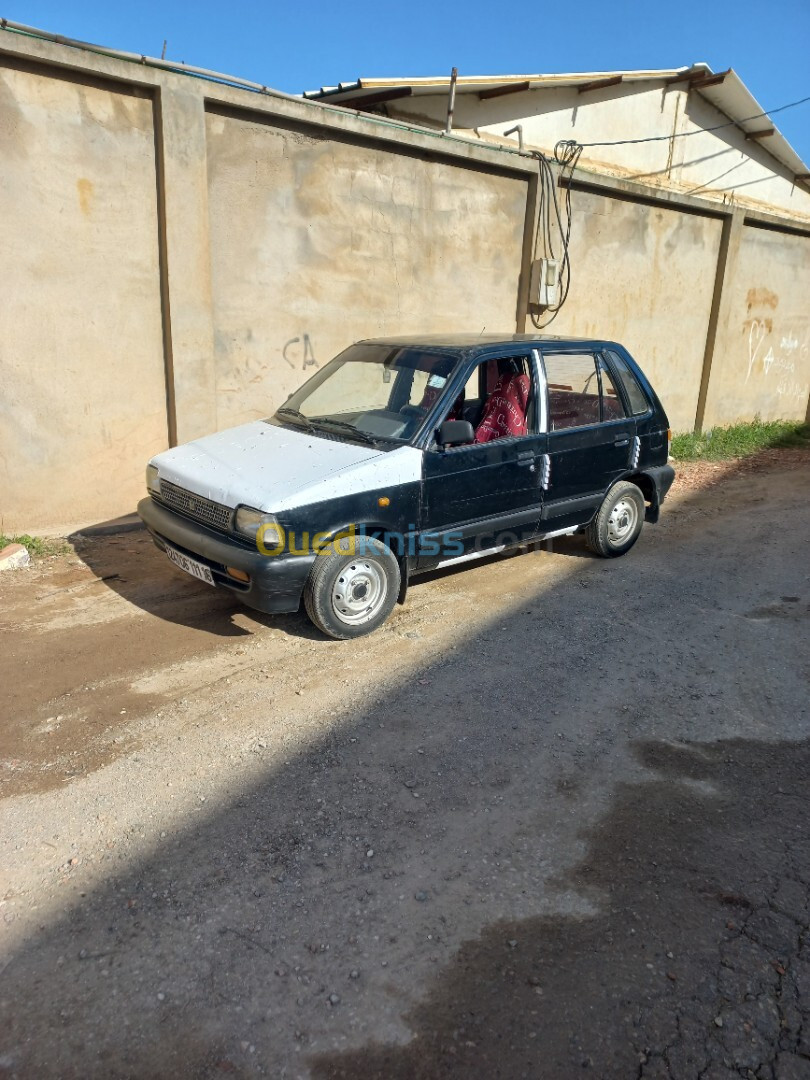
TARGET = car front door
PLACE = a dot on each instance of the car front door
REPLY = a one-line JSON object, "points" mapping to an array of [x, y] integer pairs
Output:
{"points": [[591, 440], [485, 495]]}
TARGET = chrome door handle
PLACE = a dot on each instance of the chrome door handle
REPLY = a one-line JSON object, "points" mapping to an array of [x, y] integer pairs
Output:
{"points": [[621, 442]]}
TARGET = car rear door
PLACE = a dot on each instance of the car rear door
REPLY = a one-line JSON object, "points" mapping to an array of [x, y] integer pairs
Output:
{"points": [[591, 440]]}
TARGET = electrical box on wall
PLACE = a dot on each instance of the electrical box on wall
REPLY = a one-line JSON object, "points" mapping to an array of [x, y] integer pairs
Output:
{"points": [[544, 283]]}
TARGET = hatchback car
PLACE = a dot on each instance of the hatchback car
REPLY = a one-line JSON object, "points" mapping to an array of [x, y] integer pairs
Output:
{"points": [[406, 454]]}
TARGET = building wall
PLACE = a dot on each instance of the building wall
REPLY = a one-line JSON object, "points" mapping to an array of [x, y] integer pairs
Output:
{"points": [[551, 114], [316, 243], [178, 255], [711, 163], [644, 276], [725, 163], [766, 345], [82, 379]]}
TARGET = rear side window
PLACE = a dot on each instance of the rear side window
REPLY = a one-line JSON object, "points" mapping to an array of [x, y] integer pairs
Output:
{"points": [[633, 392], [573, 390], [581, 391]]}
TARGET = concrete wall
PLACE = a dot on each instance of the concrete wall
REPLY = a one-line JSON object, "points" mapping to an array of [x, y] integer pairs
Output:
{"points": [[643, 275], [82, 378], [178, 255], [316, 243], [766, 342]]}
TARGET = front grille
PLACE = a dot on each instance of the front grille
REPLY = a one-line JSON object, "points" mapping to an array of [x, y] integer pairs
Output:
{"points": [[195, 506]]}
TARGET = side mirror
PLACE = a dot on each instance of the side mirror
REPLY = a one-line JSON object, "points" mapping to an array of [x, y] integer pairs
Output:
{"points": [[455, 431]]}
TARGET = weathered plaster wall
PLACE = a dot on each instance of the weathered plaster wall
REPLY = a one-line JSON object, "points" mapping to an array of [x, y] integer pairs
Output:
{"points": [[711, 163], [563, 113], [644, 275], [724, 162], [177, 256], [82, 385], [765, 349], [316, 243]]}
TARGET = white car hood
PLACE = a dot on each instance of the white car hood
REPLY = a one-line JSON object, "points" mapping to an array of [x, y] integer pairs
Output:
{"points": [[259, 464]]}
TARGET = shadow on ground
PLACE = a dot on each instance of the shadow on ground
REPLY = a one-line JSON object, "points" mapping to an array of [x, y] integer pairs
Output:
{"points": [[414, 859], [698, 963], [156, 586], [151, 583]]}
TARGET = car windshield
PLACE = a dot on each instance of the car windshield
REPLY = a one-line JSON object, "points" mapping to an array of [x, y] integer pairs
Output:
{"points": [[371, 392]]}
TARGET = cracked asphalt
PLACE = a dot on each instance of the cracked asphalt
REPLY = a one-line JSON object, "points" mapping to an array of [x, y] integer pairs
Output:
{"points": [[550, 821]]}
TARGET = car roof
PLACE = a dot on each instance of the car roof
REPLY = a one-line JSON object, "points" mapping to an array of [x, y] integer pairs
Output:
{"points": [[476, 342]]}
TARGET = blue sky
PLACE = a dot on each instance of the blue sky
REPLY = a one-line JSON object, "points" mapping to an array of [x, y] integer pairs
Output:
{"points": [[296, 46]]}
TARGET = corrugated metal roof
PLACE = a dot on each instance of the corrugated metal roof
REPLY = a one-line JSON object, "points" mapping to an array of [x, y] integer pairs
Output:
{"points": [[725, 90]]}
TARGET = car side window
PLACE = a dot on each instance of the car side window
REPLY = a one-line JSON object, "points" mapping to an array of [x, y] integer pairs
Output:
{"points": [[473, 398], [633, 392], [573, 390], [497, 399]]}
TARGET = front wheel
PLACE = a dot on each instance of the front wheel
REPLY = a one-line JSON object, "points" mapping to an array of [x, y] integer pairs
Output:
{"points": [[617, 524], [352, 587]]}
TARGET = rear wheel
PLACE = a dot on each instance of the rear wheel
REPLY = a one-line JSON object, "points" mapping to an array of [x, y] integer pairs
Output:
{"points": [[618, 523], [352, 587]]}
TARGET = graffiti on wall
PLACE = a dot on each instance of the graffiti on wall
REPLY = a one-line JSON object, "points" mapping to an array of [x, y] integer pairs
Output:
{"points": [[780, 354], [298, 352]]}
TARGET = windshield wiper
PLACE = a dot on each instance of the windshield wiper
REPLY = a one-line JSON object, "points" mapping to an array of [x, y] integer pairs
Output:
{"points": [[342, 425], [296, 414]]}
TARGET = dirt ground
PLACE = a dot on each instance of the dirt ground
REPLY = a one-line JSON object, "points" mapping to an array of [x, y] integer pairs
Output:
{"points": [[550, 821]]}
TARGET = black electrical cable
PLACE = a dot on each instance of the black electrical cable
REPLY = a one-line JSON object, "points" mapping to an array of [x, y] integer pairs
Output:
{"points": [[566, 155], [700, 130]]}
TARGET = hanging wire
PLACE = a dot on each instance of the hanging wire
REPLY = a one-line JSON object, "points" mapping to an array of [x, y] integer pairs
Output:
{"points": [[701, 130], [566, 156]]}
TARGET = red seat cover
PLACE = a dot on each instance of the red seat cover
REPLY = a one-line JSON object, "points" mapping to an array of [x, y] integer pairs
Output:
{"points": [[505, 412]]}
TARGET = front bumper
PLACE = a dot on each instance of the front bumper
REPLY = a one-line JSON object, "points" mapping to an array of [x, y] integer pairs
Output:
{"points": [[276, 581]]}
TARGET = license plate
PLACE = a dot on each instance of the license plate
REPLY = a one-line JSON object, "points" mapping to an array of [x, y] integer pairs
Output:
{"points": [[191, 566]]}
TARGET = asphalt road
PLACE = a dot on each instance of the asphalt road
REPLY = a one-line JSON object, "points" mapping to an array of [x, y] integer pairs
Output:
{"points": [[550, 821]]}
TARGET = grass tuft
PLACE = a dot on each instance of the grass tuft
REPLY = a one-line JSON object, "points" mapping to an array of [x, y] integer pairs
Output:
{"points": [[740, 440], [36, 545]]}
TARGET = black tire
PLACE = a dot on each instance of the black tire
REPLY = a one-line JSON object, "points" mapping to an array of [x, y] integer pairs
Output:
{"points": [[617, 524], [369, 571]]}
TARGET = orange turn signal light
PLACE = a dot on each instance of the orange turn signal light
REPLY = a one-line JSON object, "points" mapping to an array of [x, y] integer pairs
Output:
{"points": [[240, 575], [384, 501]]}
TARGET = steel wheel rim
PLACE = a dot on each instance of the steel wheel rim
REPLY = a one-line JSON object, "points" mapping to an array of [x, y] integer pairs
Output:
{"points": [[358, 592], [622, 521]]}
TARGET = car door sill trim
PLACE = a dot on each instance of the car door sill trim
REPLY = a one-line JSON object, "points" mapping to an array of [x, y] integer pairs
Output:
{"points": [[557, 532], [470, 555]]}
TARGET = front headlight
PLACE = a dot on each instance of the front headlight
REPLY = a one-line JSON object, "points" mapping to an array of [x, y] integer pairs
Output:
{"points": [[152, 480], [248, 522]]}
